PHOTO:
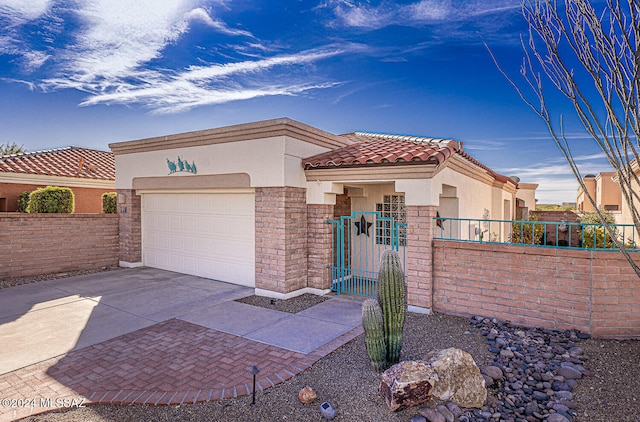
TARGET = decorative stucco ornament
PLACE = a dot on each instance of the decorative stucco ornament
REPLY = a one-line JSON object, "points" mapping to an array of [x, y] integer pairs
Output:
{"points": [[181, 165]]}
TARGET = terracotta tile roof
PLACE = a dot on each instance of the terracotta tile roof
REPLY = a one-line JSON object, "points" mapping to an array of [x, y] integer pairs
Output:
{"points": [[66, 162], [385, 149]]}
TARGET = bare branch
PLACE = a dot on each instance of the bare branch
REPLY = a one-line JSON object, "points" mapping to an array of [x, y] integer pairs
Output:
{"points": [[592, 56]]}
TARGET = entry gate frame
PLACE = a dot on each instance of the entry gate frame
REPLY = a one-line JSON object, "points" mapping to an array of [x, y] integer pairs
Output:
{"points": [[355, 272]]}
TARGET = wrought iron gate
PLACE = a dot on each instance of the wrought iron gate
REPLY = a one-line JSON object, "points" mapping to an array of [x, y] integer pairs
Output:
{"points": [[358, 242]]}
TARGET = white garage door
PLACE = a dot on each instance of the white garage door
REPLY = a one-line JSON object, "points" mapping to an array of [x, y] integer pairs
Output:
{"points": [[210, 235]]}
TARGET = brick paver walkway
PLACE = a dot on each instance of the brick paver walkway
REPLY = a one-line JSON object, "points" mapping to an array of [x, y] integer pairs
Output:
{"points": [[172, 362]]}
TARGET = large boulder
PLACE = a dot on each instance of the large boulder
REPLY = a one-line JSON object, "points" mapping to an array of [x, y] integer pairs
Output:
{"points": [[406, 384], [458, 377]]}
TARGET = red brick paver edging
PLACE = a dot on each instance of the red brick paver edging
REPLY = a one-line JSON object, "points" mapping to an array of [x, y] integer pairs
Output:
{"points": [[169, 363]]}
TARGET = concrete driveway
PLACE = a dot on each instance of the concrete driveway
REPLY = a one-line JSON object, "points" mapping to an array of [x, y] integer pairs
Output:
{"points": [[150, 336], [50, 318]]}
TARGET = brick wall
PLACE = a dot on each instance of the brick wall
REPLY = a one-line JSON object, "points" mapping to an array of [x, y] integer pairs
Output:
{"points": [[130, 212], [595, 292], [319, 245], [343, 204], [281, 239], [36, 244], [420, 220]]}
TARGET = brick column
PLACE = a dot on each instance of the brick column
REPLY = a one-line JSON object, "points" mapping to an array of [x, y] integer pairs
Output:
{"points": [[419, 250], [319, 244], [130, 248], [281, 239]]}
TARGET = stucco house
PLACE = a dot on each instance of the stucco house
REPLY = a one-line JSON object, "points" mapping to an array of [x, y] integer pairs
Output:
{"points": [[604, 189], [525, 198], [88, 172], [252, 203]]}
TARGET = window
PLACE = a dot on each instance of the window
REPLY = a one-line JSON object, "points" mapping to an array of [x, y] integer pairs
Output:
{"points": [[391, 206], [611, 207]]}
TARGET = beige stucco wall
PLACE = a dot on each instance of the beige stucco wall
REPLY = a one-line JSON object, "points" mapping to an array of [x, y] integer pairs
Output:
{"points": [[607, 191], [527, 193], [270, 162], [624, 217], [474, 196], [582, 202]]}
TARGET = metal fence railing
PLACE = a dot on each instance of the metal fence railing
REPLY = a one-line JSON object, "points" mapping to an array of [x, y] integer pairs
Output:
{"points": [[536, 233]]}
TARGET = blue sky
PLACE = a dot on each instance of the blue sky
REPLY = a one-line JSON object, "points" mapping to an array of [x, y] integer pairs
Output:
{"points": [[93, 72]]}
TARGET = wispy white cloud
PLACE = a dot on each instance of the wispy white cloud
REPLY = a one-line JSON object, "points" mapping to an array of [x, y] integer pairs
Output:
{"points": [[556, 190], [484, 145], [556, 183], [20, 11], [170, 92], [203, 16], [114, 53], [118, 36], [386, 13], [14, 14]]}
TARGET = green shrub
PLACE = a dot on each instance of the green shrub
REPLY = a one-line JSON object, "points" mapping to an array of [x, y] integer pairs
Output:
{"points": [[51, 200], [109, 205], [594, 234], [527, 232], [23, 201]]}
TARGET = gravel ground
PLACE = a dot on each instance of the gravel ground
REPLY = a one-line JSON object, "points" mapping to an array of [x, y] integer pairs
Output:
{"points": [[345, 379], [293, 306], [10, 282]]}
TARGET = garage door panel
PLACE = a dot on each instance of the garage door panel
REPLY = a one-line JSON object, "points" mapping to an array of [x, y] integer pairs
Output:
{"points": [[208, 235]]}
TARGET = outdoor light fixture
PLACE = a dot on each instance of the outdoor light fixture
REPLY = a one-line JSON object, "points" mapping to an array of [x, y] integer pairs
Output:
{"points": [[327, 411], [254, 371]]}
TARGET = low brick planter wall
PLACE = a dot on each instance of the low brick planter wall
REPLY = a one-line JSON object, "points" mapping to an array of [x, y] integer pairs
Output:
{"points": [[36, 244], [596, 292]]}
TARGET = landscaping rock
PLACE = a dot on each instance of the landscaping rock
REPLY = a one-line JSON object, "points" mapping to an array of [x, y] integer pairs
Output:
{"points": [[432, 415], [307, 395], [493, 371], [406, 384], [556, 417], [458, 377], [448, 416], [454, 408], [569, 372]]}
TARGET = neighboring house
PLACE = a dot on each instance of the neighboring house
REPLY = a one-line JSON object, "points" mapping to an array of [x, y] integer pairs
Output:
{"points": [[525, 199], [603, 189], [88, 172], [626, 216], [249, 204]]}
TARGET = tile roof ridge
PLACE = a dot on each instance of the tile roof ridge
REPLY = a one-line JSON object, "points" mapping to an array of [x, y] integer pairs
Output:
{"points": [[34, 153], [53, 151], [410, 138]]}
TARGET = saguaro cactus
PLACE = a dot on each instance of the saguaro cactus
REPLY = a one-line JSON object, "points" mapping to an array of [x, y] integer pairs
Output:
{"points": [[374, 334], [392, 297]]}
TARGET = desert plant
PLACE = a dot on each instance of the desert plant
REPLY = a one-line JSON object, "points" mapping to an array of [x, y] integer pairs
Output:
{"points": [[527, 232], [23, 201], [51, 200], [373, 325], [10, 149], [392, 297], [109, 205], [593, 232]]}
